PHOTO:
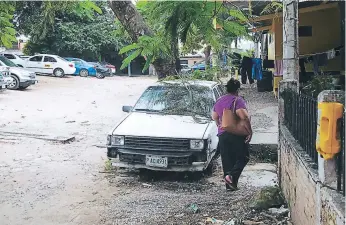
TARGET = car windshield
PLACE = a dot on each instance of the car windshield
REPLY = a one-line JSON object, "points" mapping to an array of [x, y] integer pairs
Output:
{"points": [[177, 99], [7, 62]]}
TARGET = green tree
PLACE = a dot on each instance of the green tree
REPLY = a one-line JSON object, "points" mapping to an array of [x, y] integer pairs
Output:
{"points": [[7, 32], [73, 32], [190, 22]]}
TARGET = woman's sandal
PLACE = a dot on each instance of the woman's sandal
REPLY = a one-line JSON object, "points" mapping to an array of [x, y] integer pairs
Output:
{"points": [[230, 186]]}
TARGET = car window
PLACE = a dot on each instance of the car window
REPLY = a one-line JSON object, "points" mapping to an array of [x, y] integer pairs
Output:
{"points": [[216, 93], [36, 58], [177, 100], [7, 62], [221, 89], [49, 59], [9, 56]]}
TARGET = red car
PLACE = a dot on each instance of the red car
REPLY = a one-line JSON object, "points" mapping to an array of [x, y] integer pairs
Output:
{"points": [[110, 66]]}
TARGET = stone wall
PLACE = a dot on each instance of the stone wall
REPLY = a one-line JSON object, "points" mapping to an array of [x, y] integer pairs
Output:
{"points": [[310, 202], [297, 180]]}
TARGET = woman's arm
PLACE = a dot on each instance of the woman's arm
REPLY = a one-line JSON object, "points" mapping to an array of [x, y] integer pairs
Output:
{"points": [[215, 117]]}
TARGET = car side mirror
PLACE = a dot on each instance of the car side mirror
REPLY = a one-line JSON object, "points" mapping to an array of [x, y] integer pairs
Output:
{"points": [[127, 109]]}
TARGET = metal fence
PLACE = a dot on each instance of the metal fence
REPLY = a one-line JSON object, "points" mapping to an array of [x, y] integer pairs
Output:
{"points": [[341, 159], [301, 119]]}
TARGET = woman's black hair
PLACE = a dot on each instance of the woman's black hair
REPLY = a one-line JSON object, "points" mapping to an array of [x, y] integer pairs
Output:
{"points": [[232, 85]]}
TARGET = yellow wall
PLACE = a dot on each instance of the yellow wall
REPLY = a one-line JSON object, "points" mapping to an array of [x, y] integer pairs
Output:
{"points": [[325, 36]]}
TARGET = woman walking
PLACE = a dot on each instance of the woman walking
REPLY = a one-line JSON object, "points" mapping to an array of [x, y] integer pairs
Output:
{"points": [[233, 147]]}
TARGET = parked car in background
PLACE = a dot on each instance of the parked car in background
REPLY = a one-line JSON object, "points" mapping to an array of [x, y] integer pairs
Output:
{"points": [[185, 68], [21, 78], [84, 68], [50, 64], [167, 129], [101, 69], [110, 66], [199, 66], [17, 59]]}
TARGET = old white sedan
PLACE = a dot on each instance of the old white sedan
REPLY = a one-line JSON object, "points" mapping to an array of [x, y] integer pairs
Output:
{"points": [[50, 64], [169, 128]]}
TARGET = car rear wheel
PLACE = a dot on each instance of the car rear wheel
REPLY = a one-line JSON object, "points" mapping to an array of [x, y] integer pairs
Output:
{"points": [[14, 85], [83, 73], [58, 72]]}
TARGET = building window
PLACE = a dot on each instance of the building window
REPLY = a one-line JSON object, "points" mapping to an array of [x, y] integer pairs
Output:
{"points": [[305, 31]]}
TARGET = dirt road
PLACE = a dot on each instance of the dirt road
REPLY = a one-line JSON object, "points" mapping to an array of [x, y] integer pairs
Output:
{"points": [[47, 182]]}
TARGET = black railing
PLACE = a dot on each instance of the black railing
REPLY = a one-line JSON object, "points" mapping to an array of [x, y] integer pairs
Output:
{"points": [[341, 159], [300, 112]]}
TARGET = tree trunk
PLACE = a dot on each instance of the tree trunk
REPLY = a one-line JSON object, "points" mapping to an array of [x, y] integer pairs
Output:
{"points": [[135, 25], [207, 52]]}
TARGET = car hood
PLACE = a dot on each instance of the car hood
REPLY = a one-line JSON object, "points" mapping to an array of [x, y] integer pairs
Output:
{"points": [[160, 125], [20, 70]]}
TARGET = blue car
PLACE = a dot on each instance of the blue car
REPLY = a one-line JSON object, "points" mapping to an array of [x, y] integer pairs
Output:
{"points": [[83, 68], [199, 66]]}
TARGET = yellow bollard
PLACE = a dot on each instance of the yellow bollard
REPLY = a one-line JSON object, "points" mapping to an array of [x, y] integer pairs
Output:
{"points": [[328, 132], [236, 74]]}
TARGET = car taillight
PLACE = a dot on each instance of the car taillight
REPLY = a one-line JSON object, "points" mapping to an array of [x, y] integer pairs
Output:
{"points": [[70, 65]]}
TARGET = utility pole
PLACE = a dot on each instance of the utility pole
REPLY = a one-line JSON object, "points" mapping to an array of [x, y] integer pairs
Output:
{"points": [[290, 40]]}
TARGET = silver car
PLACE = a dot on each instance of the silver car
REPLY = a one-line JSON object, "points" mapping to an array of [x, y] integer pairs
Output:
{"points": [[20, 78]]}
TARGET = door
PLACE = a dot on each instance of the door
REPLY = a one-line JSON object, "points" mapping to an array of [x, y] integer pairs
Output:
{"points": [[35, 64], [49, 64]]}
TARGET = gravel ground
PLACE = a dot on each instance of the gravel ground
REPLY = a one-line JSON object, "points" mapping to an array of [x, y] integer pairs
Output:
{"points": [[47, 182]]}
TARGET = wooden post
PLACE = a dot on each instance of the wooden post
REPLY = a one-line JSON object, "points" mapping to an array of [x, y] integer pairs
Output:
{"points": [[290, 40]]}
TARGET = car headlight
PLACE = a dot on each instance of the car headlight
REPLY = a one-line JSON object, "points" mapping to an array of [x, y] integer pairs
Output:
{"points": [[117, 140], [196, 144], [109, 139]]}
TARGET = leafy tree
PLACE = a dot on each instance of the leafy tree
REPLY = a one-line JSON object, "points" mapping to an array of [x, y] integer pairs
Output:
{"points": [[81, 35], [135, 25], [190, 22], [7, 32], [38, 18]]}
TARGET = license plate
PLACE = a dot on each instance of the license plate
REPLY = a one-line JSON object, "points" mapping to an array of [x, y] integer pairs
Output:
{"points": [[156, 161]]}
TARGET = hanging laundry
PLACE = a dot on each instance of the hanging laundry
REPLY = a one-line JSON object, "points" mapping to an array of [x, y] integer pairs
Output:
{"points": [[268, 64], [319, 60], [257, 69], [278, 68], [246, 70], [331, 54]]}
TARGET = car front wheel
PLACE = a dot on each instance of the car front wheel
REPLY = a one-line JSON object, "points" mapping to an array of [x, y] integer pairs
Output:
{"points": [[58, 72], [100, 76], [83, 73], [14, 85]]}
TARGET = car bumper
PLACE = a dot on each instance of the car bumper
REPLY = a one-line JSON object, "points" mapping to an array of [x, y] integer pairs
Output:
{"points": [[178, 161], [27, 83], [70, 71], [194, 167]]}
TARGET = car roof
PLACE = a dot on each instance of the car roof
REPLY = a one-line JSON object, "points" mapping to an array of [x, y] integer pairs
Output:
{"points": [[45, 55], [204, 83]]}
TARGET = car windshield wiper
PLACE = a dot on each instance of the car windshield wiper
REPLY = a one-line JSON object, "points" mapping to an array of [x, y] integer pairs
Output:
{"points": [[146, 110]]}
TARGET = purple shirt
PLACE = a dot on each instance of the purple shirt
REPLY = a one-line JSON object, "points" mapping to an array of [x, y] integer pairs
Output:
{"points": [[227, 102]]}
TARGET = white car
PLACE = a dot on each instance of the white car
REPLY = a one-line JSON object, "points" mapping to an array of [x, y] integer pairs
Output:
{"points": [[16, 59], [169, 128], [50, 64], [18, 78]]}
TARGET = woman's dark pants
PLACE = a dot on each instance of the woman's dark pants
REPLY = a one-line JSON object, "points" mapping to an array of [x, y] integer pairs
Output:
{"points": [[234, 155]]}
